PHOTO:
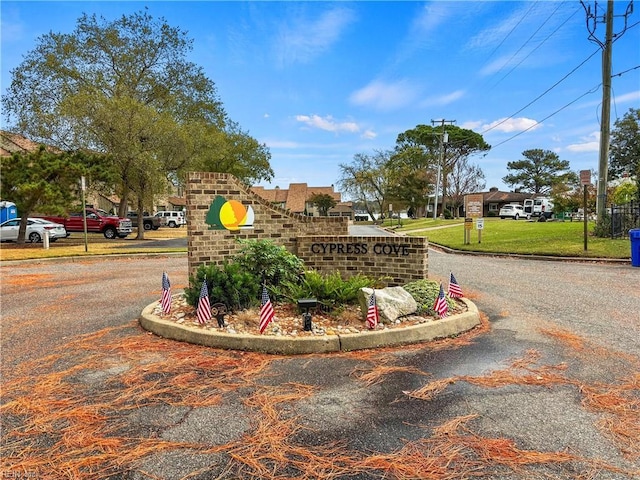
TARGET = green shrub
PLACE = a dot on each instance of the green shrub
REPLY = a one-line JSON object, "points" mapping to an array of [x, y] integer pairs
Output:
{"points": [[603, 226], [447, 214], [268, 262], [425, 292], [230, 284], [331, 291]]}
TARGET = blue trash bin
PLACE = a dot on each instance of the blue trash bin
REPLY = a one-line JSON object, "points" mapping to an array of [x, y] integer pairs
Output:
{"points": [[634, 236]]}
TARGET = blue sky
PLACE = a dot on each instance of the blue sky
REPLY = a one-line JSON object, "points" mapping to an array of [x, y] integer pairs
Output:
{"points": [[319, 82]]}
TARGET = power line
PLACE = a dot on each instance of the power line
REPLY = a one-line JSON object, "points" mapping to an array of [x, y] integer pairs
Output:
{"points": [[526, 43], [512, 30], [542, 94], [541, 43], [626, 71], [549, 116]]}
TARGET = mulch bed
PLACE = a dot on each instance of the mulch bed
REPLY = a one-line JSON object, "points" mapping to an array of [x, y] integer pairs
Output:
{"points": [[288, 320]]}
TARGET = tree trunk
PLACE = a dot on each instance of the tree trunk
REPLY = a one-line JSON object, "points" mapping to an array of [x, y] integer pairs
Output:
{"points": [[140, 235]]}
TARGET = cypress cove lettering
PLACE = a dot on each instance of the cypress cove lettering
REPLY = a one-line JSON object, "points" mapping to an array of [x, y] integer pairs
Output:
{"points": [[360, 249]]}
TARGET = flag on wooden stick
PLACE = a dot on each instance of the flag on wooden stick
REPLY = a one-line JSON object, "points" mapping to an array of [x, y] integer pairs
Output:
{"points": [[454, 288], [165, 301], [266, 310], [441, 307], [204, 307], [372, 312]]}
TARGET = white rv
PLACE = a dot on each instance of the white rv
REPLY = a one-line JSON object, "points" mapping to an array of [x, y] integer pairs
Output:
{"points": [[539, 207]]}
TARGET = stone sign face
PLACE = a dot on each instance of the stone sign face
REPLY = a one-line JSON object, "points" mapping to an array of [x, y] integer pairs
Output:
{"points": [[473, 205], [360, 248]]}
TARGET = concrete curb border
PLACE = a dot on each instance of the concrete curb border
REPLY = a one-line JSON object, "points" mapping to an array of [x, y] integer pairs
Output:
{"points": [[424, 332]]}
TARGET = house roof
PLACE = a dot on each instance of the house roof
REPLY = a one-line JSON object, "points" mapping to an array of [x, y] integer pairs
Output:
{"points": [[296, 196], [178, 201], [501, 197], [11, 143]]}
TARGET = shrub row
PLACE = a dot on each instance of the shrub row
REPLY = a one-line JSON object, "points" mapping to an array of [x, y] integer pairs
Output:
{"points": [[237, 283]]}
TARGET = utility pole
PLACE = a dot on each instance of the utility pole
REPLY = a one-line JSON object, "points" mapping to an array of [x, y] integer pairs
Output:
{"points": [[443, 139], [605, 118]]}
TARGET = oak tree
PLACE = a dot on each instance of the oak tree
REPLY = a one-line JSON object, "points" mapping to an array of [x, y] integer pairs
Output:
{"points": [[323, 202], [461, 144], [125, 88]]}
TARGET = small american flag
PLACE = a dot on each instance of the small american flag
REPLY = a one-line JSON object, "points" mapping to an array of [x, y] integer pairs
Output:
{"points": [[204, 307], [441, 306], [372, 312], [266, 310], [165, 301], [454, 289]]}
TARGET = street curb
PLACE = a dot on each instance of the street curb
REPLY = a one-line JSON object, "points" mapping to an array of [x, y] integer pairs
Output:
{"points": [[447, 327], [618, 261]]}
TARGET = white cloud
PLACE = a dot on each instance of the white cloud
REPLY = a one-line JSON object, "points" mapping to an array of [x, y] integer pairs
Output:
{"points": [[385, 96], [282, 144], [590, 143], [471, 125], [495, 66], [12, 27], [431, 17], [327, 123], [445, 99], [301, 39], [509, 125], [584, 147], [369, 135], [628, 97]]}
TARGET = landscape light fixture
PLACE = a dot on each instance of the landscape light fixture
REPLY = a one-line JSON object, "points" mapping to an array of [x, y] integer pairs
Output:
{"points": [[306, 304], [219, 310]]}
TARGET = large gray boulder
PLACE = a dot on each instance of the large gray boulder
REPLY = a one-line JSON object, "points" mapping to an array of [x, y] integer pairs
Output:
{"points": [[393, 303]]}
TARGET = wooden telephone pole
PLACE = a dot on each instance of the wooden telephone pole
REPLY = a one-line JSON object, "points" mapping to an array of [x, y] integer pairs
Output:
{"points": [[605, 118]]}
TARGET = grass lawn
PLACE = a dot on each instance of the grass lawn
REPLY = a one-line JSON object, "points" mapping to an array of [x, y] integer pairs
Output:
{"points": [[498, 236], [527, 237], [74, 245]]}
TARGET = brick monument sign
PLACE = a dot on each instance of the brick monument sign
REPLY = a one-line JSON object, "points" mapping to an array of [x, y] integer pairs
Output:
{"points": [[221, 210]]}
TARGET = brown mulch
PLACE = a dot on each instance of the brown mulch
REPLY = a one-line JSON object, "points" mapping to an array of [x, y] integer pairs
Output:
{"points": [[288, 319]]}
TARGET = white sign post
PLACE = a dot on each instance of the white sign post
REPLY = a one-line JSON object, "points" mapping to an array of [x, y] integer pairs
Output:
{"points": [[479, 227]]}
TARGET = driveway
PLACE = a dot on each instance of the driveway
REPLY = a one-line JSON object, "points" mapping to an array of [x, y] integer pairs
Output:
{"points": [[549, 388]]}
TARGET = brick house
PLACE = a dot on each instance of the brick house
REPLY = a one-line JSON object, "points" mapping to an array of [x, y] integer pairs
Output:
{"points": [[494, 200], [296, 198]]}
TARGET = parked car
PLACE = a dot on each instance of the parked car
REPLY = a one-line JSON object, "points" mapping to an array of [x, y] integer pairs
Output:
{"points": [[35, 230], [148, 221], [173, 218], [98, 221], [513, 210], [59, 228]]}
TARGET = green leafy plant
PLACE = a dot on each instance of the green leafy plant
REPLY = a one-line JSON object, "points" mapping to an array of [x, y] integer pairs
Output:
{"points": [[425, 292], [268, 262], [229, 284], [331, 290]]}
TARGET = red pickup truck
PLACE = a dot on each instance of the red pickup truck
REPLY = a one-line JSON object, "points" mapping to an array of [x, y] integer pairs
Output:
{"points": [[98, 221]]}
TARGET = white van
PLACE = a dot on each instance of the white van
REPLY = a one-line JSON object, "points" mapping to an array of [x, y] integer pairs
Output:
{"points": [[539, 207], [172, 218]]}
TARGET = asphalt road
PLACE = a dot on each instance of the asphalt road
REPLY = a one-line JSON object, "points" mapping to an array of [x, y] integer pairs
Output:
{"points": [[565, 403]]}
